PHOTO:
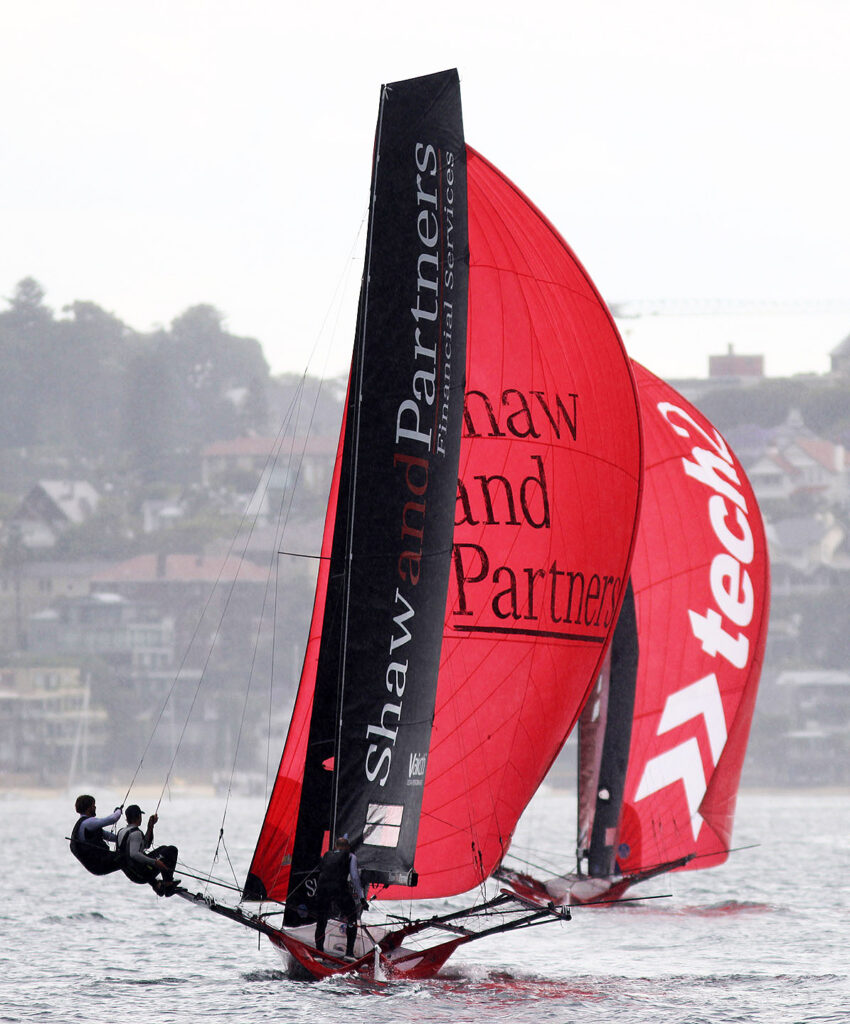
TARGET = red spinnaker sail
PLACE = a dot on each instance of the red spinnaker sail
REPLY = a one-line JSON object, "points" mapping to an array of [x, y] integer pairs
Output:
{"points": [[702, 589], [548, 497]]}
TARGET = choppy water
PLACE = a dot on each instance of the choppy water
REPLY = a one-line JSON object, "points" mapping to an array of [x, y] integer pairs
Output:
{"points": [[763, 938]]}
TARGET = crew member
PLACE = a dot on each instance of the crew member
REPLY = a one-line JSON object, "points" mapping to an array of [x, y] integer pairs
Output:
{"points": [[89, 840], [141, 864], [336, 868]]}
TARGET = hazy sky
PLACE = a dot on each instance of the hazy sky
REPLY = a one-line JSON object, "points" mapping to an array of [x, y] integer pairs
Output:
{"points": [[163, 154]]}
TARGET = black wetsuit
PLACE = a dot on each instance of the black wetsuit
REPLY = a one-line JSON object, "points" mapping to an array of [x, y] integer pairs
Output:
{"points": [[91, 849], [140, 866], [333, 891]]}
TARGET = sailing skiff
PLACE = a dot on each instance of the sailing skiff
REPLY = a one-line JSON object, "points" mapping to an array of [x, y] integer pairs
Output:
{"points": [[663, 735], [479, 534]]}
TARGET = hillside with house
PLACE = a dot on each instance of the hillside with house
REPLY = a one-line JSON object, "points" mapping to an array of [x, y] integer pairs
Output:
{"points": [[149, 532]]}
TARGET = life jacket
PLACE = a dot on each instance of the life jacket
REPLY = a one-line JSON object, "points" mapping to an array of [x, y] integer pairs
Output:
{"points": [[92, 850], [140, 874], [333, 870]]}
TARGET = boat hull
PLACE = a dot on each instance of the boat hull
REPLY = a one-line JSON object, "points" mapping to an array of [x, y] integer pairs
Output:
{"points": [[377, 957], [567, 890], [582, 890]]}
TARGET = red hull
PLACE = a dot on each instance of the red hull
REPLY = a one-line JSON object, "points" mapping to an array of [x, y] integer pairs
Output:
{"points": [[581, 890], [396, 964]]}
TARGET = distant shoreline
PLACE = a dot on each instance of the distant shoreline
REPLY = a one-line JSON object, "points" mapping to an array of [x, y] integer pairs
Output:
{"points": [[141, 793], [196, 790]]}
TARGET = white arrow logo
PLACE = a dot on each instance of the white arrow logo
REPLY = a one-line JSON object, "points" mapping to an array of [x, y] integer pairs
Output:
{"points": [[683, 763]]}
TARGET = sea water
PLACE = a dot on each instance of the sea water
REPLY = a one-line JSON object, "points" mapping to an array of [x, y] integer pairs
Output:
{"points": [[762, 938]]}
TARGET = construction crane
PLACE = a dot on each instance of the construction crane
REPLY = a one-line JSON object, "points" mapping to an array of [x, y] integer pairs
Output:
{"points": [[634, 308]]}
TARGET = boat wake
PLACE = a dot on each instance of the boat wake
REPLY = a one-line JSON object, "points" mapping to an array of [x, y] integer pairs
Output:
{"points": [[81, 915], [151, 982], [505, 987], [726, 908], [265, 976]]}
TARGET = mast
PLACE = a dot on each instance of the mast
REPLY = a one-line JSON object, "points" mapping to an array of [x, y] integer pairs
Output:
{"points": [[617, 738], [405, 450], [579, 728], [356, 385]]}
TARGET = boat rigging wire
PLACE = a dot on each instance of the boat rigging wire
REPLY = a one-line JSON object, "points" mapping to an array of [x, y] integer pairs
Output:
{"points": [[225, 563], [530, 864], [284, 510], [354, 404], [731, 849], [625, 899], [334, 304], [209, 880]]}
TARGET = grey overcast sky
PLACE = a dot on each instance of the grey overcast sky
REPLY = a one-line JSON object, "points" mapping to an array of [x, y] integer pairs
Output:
{"points": [[159, 155]]}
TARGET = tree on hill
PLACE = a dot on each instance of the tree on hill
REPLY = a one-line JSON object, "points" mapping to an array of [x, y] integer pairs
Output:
{"points": [[86, 384], [151, 418], [89, 365], [25, 344], [214, 370]]}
